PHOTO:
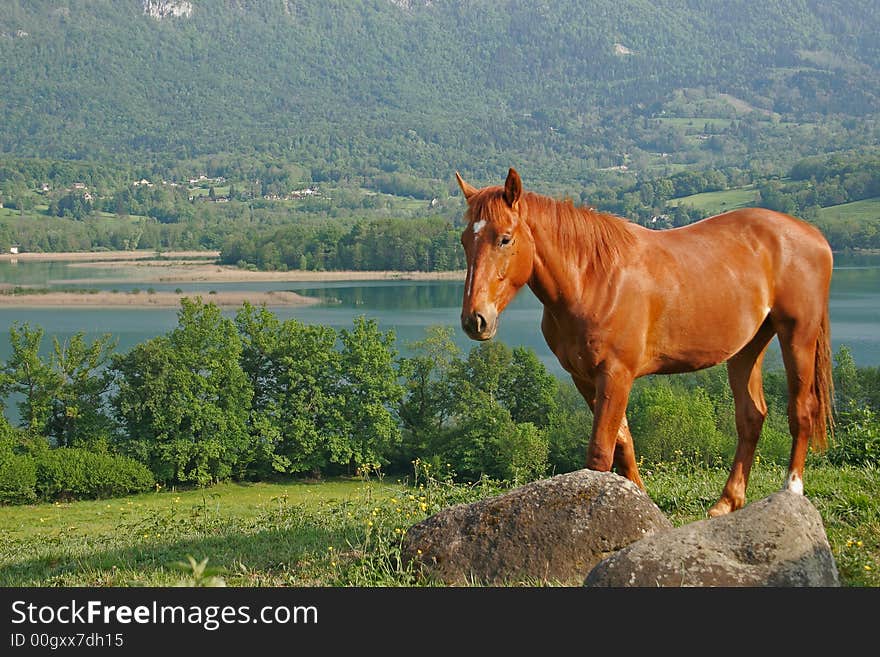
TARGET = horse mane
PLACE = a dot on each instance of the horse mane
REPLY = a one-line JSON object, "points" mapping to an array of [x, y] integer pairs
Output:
{"points": [[582, 231]]}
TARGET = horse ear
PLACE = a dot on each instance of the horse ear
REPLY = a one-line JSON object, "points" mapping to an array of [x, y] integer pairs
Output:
{"points": [[512, 188], [466, 189]]}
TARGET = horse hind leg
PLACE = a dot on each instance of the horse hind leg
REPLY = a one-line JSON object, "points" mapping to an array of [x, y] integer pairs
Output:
{"points": [[746, 383], [799, 342]]}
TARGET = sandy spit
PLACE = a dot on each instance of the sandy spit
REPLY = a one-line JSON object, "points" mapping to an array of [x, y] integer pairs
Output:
{"points": [[178, 272], [191, 266], [272, 298], [103, 256]]}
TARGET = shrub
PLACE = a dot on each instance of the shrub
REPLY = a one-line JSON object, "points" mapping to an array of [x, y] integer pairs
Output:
{"points": [[857, 440], [73, 473], [18, 478], [670, 424], [523, 454]]}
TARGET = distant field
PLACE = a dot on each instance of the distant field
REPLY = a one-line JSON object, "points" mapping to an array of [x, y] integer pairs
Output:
{"points": [[855, 211], [716, 202], [9, 212], [697, 124]]}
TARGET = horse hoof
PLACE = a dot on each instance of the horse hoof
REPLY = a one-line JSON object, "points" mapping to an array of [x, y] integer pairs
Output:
{"points": [[720, 508]]}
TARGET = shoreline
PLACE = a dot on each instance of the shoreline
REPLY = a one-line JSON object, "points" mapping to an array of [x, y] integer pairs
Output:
{"points": [[179, 272], [102, 256], [194, 266], [105, 299]]}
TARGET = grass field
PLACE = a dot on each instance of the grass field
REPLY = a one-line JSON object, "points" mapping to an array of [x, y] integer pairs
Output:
{"points": [[717, 202], [346, 532], [693, 125], [855, 211]]}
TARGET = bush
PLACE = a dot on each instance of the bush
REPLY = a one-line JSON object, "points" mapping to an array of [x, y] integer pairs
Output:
{"points": [[673, 425], [18, 478], [73, 473], [523, 454], [857, 440]]}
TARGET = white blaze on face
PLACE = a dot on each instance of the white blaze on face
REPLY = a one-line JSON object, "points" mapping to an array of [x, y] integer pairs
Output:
{"points": [[478, 226], [794, 483]]}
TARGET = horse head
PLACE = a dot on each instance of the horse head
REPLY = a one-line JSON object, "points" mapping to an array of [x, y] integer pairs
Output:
{"points": [[500, 252]]}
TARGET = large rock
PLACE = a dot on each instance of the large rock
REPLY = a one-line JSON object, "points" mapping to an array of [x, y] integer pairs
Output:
{"points": [[777, 541], [554, 530]]}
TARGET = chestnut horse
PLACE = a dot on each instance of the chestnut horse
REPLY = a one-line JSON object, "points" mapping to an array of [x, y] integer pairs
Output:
{"points": [[622, 301]]}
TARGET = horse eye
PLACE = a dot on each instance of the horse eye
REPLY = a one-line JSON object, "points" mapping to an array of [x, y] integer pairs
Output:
{"points": [[505, 240]]}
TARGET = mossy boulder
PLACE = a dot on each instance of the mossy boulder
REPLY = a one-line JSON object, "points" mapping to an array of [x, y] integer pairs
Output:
{"points": [[777, 541], [549, 531]]}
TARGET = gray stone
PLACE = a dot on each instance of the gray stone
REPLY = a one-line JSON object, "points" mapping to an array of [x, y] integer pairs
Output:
{"points": [[777, 541], [549, 531]]}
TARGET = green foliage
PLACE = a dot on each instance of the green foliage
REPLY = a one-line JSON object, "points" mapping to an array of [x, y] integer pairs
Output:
{"points": [[427, 404], [62, 397], [569, 431], [485, 415], [258, 397], [406, 244], [670, 424], [296, 414], [72, 473], [28, 375], [527, 389], [523, 455], [369, 392], [18, 479], [184, 399], [198, 573], [381, 142], [115, 87], [18, 474], [857, 437]]}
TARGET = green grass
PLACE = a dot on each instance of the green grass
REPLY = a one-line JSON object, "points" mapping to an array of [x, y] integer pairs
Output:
{"points": [[6, 213], [717, 202], [697, 124], [867, 209], [348, 532]]}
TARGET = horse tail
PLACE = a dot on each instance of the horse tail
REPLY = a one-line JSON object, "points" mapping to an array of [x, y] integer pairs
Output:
{"points": [[823, 388]]}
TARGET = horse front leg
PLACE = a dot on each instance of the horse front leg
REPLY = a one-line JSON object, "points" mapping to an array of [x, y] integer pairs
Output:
{"points": [[610, 442], [624, 459], [625, 455]]}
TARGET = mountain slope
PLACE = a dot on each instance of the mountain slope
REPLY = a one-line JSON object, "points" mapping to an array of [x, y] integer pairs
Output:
{"points": [[348, 87]]}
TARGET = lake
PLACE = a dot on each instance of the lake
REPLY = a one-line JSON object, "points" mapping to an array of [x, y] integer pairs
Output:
{"points": [[407, 307]]}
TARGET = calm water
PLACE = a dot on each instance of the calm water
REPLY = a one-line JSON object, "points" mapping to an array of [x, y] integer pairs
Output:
{"points": [[406, 307]]}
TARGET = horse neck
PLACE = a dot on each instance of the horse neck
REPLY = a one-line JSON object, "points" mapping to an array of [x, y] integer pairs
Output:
{"points": [[573, 257]]}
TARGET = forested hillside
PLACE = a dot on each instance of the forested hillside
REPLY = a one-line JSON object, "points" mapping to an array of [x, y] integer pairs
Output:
{"points": [[351, 88]]}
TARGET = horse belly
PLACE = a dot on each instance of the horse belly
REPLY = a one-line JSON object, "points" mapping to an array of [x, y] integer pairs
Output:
{"points": [[706, 329]]}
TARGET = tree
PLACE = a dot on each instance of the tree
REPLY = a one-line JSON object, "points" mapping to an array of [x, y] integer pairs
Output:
{"points": [[847, 387], [294, 371], [28, 375], [569, 430], [63, 395], [78, 417], [184, 399], [426, 405], [527, 389], [369, 391], [523, 454], [670, 424]]}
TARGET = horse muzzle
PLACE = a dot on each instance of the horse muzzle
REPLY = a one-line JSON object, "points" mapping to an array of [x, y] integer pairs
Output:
{"points": [[480, 325]]}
